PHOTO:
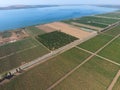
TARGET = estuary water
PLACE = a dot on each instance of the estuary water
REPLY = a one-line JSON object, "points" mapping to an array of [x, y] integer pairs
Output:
{"points": [[19, 18]]}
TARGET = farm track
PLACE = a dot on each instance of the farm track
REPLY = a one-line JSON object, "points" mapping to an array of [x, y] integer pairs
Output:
{"points": [[69, 73], [48, 56], [114, 81], [18, 52], [110, 27], [107, 17], [45, 57], [86, 60], [99, 56], [36, 40], [107, 34], [101, 23]]}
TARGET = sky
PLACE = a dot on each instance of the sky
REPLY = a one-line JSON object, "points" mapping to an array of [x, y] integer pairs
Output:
{"points": [[39, 2]]}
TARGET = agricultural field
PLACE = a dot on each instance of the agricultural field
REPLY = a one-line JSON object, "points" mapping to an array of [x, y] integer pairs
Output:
{"points": [[113, 32], [15, 54], [18, 58], [90, 23], [34, 31], [83, 27], [76, 69], [112, 15], [98, 20], [44, 75], [16, 46], [95, 43], [112, 51], [55, 40], [101, 39], [94, 28], [93, 21], [12, 36], [96, 74]]}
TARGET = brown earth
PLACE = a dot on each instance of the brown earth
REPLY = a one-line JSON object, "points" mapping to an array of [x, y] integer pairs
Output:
{"points": [[69, 29], [16, 35], [46, 28]]}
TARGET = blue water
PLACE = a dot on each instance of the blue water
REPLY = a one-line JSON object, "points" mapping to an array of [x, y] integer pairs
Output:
{"points": [[18, 18]]}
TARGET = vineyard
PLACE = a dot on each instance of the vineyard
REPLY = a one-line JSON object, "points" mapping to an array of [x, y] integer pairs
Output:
{"points": [[55, 40]]}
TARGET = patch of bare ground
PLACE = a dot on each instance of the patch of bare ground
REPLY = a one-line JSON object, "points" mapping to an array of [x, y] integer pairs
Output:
{"points": [[69, 29], [45, 28]]}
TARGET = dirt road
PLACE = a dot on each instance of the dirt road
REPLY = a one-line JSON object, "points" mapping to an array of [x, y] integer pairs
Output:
{"points": [[114, 81]]}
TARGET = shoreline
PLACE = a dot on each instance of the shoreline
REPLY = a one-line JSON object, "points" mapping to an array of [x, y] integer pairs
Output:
{"points": [[54, 21]]}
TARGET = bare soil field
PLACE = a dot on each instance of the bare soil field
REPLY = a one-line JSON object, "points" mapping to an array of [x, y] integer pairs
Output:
{"points": [[69, 29], [15, 35], [45, 28]]}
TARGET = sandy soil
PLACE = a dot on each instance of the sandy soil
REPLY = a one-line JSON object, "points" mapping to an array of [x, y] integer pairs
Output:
{"points": [[46, 28], [69, 29]]}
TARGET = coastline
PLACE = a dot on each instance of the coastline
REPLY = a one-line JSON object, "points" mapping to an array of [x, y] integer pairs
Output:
{"points": [[61, 16], [50, 22]]}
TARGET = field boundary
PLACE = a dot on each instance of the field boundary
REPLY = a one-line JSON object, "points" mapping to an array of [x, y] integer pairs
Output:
{"points": [[48, 56], [107, 34], [36, 40], [114, 81], [99, 56], [44, 58], [107, 17], [69, 73], [57, 52], [86, 60], [101, 23], [18, 52], [87, 26]]}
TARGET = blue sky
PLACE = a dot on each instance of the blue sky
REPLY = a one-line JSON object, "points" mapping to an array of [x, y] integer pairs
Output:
{"points": [[28, 2]]}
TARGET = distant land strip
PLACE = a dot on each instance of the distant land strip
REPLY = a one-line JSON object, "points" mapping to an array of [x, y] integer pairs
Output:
{"points": [[26, 6]]}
